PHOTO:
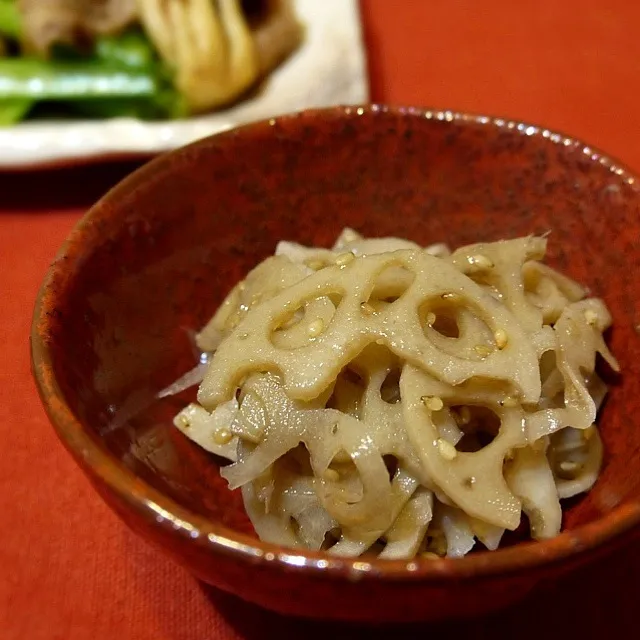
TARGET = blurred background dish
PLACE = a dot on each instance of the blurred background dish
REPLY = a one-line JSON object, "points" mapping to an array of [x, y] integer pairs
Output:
{"points": [[150, 59], [322, 62]]}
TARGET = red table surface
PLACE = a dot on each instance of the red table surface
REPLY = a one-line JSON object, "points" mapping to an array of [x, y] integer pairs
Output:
{"points": [[69, 569]]}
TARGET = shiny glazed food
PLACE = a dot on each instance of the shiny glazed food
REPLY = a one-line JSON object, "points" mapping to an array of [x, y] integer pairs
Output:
{"points": [[380, 397]]}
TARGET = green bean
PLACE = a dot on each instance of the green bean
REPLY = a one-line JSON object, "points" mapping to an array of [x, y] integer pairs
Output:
{"points": [[54, 80], [159, 107], [130, 49], [10, 22], [14, 110]]}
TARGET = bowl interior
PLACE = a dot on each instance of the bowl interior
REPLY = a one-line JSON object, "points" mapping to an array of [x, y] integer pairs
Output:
{"points": [[151, 262]]}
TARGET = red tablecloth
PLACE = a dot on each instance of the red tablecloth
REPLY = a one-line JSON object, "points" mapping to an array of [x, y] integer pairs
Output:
{"points": [[69, 569]]}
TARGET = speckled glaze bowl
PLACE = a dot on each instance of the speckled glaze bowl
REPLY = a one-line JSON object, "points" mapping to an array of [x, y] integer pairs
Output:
{"points": [[153, 259]]}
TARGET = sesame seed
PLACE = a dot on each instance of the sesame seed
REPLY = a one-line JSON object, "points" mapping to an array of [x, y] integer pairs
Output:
{"points": [[446, 449], [501, 338], [344, 259], [379, 341], [479, 262], [316, 265], [431, 318], [465, 415], [315, 328], [433, 403], [222, 436], [483, 350]]}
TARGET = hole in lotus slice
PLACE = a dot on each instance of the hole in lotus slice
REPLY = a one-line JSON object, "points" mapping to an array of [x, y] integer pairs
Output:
{"points": [[473, 480], [390, 388], [454, 326], [479, 426], [388, 287], [305, 324], [347, 393]]}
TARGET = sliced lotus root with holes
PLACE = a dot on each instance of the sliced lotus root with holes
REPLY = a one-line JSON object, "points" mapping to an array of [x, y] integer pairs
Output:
{"points": [[277, 424], [488, 534], [316, 314], [309, 369], [325, 433], [456, 329], [295, 497], [357, 540], [473, 480], [549, 290], [270, 527], [575, 459], [499, 265], [456, 530], [271, 276], [529, 477], [313, 258], [579, 339], [372, 512], [409, 528], [380, 370]]}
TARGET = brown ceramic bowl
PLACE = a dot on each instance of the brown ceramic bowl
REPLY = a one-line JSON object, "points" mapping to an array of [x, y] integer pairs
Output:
{"points": [[156, 255]]}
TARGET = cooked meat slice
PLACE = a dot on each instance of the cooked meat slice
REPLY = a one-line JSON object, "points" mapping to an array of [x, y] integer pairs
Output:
{"points": [[276, 30], [73, 22]]}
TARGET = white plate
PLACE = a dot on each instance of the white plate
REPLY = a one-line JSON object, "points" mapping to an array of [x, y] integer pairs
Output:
{"points": [[329, 68]]}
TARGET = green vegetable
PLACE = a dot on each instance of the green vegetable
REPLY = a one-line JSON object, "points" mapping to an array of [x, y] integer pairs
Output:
{"points": [[120, 76], [172, 103], [10, 23], [167, 104], [54, 80], [14, 110], [114, 108], [130, 49]]}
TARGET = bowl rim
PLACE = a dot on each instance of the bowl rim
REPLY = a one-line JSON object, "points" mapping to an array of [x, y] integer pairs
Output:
{"points": [[175, 520]]}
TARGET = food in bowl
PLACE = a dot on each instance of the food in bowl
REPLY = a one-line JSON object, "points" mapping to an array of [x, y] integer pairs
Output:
{"points": [[143, 58], [381, 397]]}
